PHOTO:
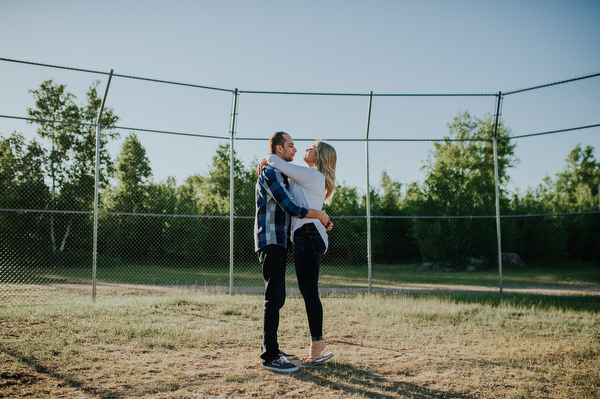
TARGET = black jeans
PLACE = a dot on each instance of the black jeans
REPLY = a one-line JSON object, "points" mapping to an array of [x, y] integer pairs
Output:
{"points": [[273, 259], [309, 248]]}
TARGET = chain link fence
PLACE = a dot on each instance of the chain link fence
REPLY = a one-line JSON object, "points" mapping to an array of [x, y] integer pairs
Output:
{"points": [[435, 191]]}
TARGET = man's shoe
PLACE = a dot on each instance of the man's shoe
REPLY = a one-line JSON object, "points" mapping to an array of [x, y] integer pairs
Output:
{"points": [[280, 365]]}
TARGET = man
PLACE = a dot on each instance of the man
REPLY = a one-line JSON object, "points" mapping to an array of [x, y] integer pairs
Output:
{"points": [[274, 208]]}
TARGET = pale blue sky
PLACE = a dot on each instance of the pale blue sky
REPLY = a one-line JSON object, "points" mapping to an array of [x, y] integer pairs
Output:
{"points": [[346, 46], [332, 46]]}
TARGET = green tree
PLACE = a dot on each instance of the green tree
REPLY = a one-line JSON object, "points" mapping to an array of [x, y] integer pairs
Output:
{"points": [[535, 238], [129, 235], [19, 162], [573, 192], [577, 185], [184, 237], [82, 171], [21, 187], [214, 200], [348, 238], [70, 158], [392, 240], [576, 191], [132, 172], [56, 113], [460, 182], [217, 185]]}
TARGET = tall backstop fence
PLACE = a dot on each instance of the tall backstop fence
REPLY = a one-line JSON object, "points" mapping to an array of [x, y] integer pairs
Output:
{"points": [[110, 180]]}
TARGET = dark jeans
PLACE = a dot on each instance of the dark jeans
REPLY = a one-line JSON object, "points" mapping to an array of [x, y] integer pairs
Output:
{"points": [[273, 259], [309, 248]]}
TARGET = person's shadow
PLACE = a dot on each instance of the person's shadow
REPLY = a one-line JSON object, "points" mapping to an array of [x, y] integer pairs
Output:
{"points": [[354, 380]]}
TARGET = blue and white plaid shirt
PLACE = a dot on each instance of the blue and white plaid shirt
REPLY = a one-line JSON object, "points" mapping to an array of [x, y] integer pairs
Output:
{"points": [[274, 207]]}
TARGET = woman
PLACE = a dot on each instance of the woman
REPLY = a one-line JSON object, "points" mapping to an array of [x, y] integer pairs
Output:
{"points": [[311, 187]]}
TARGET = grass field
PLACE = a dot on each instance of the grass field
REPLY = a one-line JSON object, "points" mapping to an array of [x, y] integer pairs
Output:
{"points": [[559, 274], [181, 344]]}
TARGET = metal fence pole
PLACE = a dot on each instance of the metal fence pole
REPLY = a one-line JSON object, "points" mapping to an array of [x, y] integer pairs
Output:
{"points": [[96, 188], [369, 256], [231, 192], [496, 178]]}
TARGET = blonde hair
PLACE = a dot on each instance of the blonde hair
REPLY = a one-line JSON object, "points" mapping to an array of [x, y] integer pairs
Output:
{"points": [[326, 159]]}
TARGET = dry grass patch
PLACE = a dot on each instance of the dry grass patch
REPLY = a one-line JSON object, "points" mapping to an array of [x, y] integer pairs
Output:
{"points": [[182, 345]]}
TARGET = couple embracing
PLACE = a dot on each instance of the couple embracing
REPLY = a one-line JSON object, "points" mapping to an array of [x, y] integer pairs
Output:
{"points": [[292, 210]]}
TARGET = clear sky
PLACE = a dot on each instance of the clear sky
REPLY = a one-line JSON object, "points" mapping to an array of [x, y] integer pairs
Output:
{"points": [[331, 46], [347, 46]]}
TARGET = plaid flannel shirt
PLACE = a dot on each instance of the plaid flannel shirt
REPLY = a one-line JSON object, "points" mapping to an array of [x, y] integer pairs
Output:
{"points": [[274, 208]]}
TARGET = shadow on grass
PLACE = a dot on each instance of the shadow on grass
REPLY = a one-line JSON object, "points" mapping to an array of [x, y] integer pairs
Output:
{"points": [[352, 380], [538, 301], [343, 378], [66, 380], [41, 369]]}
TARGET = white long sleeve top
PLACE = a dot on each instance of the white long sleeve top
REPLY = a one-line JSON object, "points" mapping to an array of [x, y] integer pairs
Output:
{"points": [[307, 185]]}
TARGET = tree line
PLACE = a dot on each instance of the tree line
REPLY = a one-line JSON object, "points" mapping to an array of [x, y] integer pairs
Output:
{"points": [[442, 219]]}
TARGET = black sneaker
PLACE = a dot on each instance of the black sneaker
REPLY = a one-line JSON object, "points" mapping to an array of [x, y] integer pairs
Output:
{"points": [[281, 365]]}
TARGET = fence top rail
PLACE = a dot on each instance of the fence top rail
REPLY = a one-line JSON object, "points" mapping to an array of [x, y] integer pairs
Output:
{"points": [[116, 75], [551, 132], [371, 94], [54, 66], [552, 84], [299, 93], [254, 91]]}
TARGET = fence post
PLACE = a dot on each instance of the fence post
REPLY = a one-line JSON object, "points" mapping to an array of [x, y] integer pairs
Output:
{"points": [[231, 192], [369, 256], [96, 188], [496, 178]]}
